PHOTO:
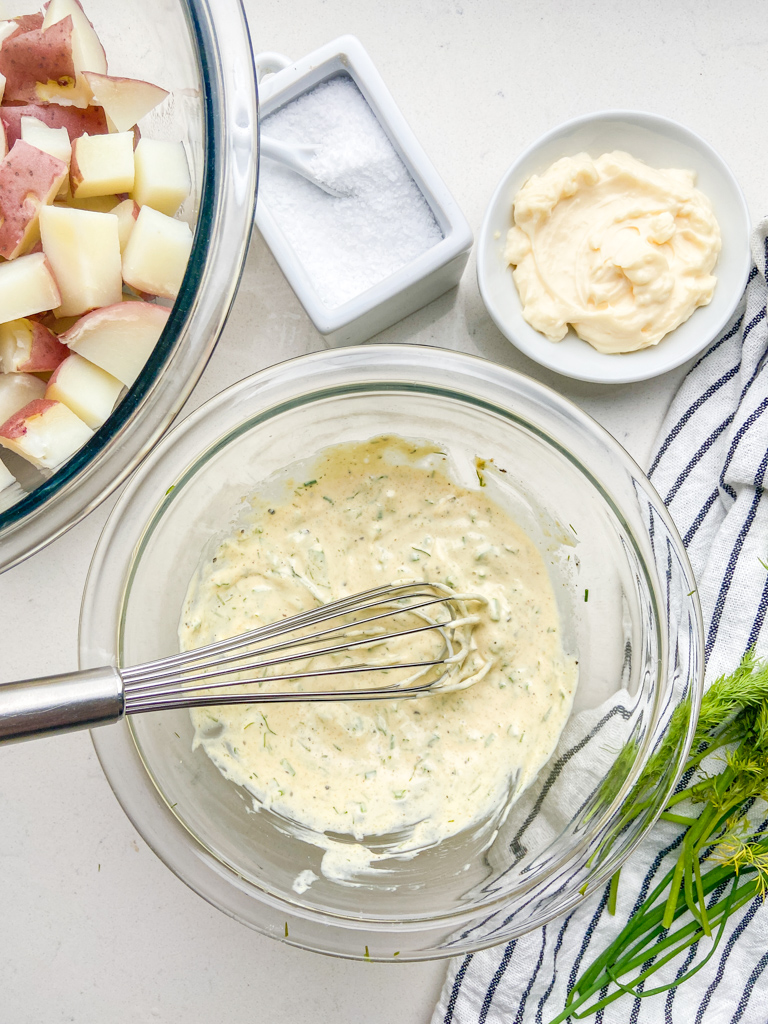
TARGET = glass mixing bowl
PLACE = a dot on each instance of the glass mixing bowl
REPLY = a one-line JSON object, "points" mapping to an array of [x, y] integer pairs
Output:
{"points": [[201, 52], [628, 610]]}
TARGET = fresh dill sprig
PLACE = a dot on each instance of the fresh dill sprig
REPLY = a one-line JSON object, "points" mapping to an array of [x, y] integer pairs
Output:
{"points": [[723, 858]]}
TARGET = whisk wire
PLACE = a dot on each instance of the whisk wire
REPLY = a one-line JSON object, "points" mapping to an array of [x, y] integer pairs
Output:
{"points": [[207, 675], [333, 610], [185, 676]]}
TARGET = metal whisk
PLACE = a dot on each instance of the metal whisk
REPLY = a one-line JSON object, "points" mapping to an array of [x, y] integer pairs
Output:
{"points": [[228, 671]]}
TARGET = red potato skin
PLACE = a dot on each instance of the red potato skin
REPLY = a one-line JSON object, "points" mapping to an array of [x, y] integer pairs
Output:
{"points": [[91, 120], [43, 55], [28, 179], [29, 22], [46, 352], [16, 426]]}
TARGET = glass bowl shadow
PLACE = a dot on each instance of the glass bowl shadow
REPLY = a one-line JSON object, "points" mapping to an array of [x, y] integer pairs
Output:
{"points": [[628, 610], [201, 53]]}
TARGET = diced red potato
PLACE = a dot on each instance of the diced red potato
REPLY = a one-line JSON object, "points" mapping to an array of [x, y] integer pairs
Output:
{"points": [[54, 141], [45, 433], [87, 54], [162, 175], [119, 338], [102, 165], [87, 51], [77, 122], [84, 251], [57, 82], [27, 286], [157, 253], [126, 213], [27, 346], [16, 391], [29, 179], [125, 100], [85, 388], [28, 59]]}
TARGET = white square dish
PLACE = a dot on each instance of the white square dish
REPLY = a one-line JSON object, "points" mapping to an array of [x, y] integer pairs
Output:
{"points": [[421, 280]]}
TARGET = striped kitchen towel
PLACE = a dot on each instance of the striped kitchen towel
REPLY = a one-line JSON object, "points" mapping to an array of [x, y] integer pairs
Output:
{"points": [[709, 465]]}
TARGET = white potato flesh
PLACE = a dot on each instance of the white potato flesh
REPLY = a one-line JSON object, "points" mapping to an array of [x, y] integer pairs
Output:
{"points": [[101, 165], [84, 251], [126, 213], [85, 388], [45, 434], [16, 391], [7, 28], [27, 286], [120, 338], [157, 253], [54, 141], [162, 175], [125, 100]]}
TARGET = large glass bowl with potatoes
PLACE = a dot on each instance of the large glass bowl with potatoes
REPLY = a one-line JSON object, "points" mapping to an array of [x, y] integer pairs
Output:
{"points": [[122, 252]]}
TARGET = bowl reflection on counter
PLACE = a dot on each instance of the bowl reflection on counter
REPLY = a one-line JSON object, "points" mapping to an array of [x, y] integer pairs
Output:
{"points": [[213, 110], [624, 591]]}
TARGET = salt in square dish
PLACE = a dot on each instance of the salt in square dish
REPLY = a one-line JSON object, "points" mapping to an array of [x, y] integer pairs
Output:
{"points": [[420, 280]]}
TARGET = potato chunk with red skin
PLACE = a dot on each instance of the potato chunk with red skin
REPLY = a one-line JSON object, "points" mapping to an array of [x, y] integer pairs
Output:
{"points": [[16, 391], [45, 433], [27, 286], [40, 56], [29, 179], [27, 346], [91, 121]]}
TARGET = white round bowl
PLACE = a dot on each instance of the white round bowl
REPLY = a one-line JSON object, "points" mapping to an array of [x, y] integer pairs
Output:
{"points": [[660, 143]]}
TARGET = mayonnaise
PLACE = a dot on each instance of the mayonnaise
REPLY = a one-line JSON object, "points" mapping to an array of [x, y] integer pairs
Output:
{"points": [[618, 250], [415, 770]]}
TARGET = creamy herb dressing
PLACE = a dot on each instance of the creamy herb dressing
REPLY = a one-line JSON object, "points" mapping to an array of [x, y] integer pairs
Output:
{"points": [[416, 770]]}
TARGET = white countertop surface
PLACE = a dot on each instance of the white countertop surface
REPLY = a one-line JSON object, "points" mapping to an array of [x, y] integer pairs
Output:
{"points": [[93, 928]]}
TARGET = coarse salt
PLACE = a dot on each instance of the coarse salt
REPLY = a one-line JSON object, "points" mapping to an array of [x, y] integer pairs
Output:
{"points": [[350, 243]]}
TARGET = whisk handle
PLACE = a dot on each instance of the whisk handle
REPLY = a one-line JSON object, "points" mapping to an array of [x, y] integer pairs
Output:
{"points": [[75, 700]]}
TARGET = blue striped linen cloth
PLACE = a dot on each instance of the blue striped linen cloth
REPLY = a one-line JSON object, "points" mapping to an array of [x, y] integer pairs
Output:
{"points": [[709, 465]]}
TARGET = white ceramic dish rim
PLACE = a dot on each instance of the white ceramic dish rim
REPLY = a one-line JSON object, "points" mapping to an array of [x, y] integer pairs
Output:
{"points": [[576, 358], [278, 88]]}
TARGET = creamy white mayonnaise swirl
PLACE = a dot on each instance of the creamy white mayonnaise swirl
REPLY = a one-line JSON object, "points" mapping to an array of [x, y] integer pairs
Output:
{"points": [[618, 250]]}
